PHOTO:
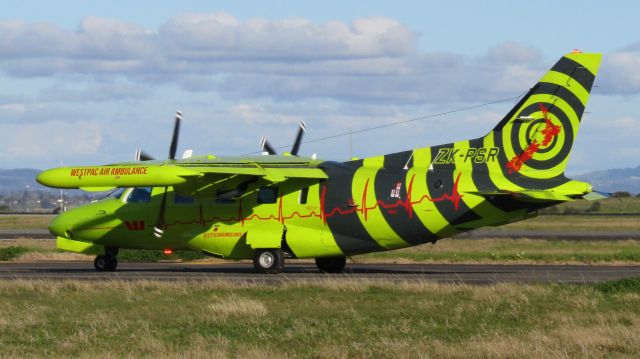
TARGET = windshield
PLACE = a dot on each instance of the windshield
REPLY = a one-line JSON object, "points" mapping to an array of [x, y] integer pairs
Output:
{"points": [[116, 193]]}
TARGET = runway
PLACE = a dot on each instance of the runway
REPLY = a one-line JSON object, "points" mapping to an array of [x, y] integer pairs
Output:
{"points": [[294, 272]]}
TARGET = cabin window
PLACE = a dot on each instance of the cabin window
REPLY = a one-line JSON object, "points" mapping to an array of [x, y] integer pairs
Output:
{"points": [[139, 195], [304, 193], [268, 195], [227, 197], [182, 199]]}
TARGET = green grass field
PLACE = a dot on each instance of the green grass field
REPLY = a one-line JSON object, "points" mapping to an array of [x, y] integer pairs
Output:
{"points": [[512, 251], [609, 205], [24, 222], [327, 320]]}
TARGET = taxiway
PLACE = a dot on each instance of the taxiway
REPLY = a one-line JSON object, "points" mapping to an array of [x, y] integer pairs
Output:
{"points": [[243, 272]]}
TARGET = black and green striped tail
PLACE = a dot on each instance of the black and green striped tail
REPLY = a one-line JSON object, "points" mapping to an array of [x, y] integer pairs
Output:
{"points": [[535, 138]]}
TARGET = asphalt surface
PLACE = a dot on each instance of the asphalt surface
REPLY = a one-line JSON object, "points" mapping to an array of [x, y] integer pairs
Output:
{"points": [[244, 273]]}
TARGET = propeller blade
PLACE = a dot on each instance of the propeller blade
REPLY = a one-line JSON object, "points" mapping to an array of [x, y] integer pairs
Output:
{"points": [[266, 146], [298, 141], [158, 229], [174, 139], [143, 156]]}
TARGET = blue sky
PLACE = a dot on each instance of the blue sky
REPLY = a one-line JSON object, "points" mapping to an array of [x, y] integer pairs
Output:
{"points": [[88, 82]]}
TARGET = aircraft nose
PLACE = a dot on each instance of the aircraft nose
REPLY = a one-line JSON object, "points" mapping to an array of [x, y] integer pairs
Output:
{"points": [[59, 226]]}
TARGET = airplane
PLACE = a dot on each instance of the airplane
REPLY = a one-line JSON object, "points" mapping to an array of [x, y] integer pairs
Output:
{"points": [[272, 207]]}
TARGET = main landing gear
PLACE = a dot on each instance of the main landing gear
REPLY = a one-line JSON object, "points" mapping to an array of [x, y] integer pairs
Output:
{"points": [[108, 261], [271, 261]]}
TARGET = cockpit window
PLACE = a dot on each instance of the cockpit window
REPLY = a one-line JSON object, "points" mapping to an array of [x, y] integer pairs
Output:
{"points": [[116, 193], [139, 195]]}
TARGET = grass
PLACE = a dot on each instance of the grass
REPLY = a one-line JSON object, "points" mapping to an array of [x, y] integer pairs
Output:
{"points": [[12, 252], [321, 320], [573, 223], [504, 250], [24, 222], [609, 205]]}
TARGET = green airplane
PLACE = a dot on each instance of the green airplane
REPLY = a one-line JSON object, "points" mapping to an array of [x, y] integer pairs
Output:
{"points": [[271, 207]]}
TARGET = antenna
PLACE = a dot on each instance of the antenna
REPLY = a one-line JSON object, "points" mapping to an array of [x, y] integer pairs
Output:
{"points": [[406, 165]]}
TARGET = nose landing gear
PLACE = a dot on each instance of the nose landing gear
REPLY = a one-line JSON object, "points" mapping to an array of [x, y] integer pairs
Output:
{"points": [[108, 261]]}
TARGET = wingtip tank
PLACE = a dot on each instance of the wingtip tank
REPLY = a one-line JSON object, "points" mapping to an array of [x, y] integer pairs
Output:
{"points": [[113, 176]]}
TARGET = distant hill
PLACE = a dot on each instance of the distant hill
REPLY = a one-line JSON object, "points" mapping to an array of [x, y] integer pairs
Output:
{"points": [[12, 180], [619, 179]]}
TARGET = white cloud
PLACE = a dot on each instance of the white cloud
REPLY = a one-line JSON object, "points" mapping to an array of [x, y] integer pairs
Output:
{"points": [[51, 139], [368, 60], [621, 73], [257, 114], [214, 37]]}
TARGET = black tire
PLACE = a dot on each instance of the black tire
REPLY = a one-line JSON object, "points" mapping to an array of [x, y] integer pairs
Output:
{"points": [[104, 263], [331, 264], [269, 261]]}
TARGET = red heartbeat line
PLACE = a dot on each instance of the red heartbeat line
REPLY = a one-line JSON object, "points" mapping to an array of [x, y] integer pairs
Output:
{"points": [[455, 197], [549, 132]]}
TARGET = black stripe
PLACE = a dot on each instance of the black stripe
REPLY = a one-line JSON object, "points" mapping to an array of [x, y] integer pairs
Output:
{"points": [[561, 92], [507, 203], [398, 160], [447, 208], [409, 227], [348, 231], [571, 68], [480, 172]]}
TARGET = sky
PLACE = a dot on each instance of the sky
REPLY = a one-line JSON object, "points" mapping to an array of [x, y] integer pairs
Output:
{"points": [[87, 82]]}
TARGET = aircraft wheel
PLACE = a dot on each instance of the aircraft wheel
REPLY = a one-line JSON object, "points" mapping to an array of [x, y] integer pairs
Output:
{"points": [[104, 263], [270, 261], [331, 264]]}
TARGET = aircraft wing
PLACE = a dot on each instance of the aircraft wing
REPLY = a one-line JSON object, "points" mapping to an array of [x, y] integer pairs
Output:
{"points": [[188, 177]]}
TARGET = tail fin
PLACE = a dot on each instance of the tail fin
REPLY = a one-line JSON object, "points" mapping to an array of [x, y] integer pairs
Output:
{"points": [[535, 138]]}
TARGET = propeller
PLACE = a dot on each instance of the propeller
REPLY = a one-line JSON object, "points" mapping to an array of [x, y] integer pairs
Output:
{"points": [[158, 229], [266, 146], [143, 156], [298, 141]]}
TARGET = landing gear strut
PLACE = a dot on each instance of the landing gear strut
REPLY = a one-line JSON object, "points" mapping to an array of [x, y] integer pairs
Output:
{"points": [[270, 261], [331, 264], [108, 261]]}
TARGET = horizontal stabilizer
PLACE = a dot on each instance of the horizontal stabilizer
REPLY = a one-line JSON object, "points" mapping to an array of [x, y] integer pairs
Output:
{"points": [[529, 195], [595, 195]]}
